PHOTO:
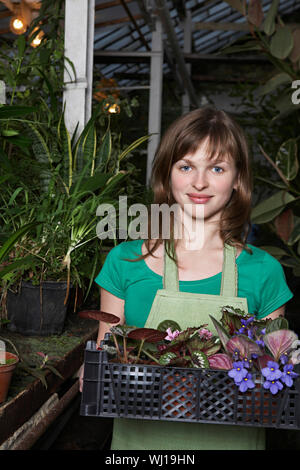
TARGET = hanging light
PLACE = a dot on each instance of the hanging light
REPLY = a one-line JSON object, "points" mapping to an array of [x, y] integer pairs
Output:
{"points": [[36, 41], [114, 108], [111, 108], [22, 15], [17, 24]]}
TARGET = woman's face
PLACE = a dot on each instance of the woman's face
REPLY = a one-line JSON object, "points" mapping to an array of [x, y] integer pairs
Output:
{"points": [[197, 181]]}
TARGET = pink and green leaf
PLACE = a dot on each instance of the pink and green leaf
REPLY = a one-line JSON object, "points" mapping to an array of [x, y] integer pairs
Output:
{"points": [[279, 342], [220, 361], [244, 345]]}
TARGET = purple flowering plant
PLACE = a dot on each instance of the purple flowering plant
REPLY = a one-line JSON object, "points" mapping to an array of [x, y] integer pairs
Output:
{"points": [[265, 348]]}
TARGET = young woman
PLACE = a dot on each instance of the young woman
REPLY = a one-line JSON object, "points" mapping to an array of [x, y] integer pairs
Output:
{"points": [[202, 166]]}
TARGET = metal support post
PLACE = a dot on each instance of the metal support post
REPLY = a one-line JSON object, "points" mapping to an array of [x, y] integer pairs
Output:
{"points": [[155, 95], [2, 92], [166, 19], [79, 48], [187, 48]]}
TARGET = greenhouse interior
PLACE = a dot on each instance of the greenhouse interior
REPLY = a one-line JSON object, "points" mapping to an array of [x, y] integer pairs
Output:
{"points": [[91, 94]]}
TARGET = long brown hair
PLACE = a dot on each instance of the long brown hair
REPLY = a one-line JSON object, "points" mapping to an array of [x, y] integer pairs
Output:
{"points": [[225, 138]]}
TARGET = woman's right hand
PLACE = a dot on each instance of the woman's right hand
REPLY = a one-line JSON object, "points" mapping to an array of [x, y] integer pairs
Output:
{"points": [[80, 376], [111, 304]]}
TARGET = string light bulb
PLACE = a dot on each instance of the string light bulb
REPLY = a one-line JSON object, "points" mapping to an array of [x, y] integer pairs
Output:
{"points": [[17, 24], [114, 108], [36, 41], [111, 108]]}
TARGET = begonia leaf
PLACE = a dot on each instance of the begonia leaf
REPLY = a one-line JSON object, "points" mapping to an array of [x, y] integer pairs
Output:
{"points": [[109, 349], [147, 334], [99, 315], [279, 342], [244, 345], [164, 325], [122, 330], [166, 358], [187, 334], [211, 350], [220, 361], [200, 360], [279, 323]]}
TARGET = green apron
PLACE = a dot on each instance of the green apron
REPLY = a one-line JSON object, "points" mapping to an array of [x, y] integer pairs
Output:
{"points": [[189, 310]]}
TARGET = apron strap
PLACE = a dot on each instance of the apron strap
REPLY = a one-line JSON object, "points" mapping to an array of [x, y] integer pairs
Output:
{"points": [[170, 280], [229, 273]]}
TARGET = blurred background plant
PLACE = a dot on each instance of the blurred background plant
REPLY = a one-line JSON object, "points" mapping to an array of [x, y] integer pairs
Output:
{"points": [[272, 117]]}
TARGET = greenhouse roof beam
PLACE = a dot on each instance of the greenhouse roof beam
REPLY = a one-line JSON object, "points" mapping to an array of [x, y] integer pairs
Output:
{"points": [[164, 13]]}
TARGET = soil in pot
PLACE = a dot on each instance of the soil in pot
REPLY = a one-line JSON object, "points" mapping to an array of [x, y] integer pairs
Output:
{"points": [[6, 372], [258, 405], [179, 398], [37, 311]]}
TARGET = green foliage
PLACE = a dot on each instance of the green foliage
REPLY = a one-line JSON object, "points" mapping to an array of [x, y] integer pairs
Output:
{"points": [[35, 74], [276, 119], [52, 182], [164, 325], [56, 223], [188, 348]]}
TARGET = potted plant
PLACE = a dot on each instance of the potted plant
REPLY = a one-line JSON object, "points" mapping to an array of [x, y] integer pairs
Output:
{"points": [[240, 373], [8, 363], [76, 176]]}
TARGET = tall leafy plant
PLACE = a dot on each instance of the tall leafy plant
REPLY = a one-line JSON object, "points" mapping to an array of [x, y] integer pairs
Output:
{"points": [[279, 42], [76, 179]]}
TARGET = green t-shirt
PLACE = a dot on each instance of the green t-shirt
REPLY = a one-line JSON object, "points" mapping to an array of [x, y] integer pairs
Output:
{"points": [[261, 280]]}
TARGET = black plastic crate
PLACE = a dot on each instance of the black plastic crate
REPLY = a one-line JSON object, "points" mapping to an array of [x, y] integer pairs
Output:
{"points": [[181, 394]]}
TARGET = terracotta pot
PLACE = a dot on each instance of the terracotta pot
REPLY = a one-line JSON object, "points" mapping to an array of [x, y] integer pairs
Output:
{"points": [[259, 405], [6, 372], [179, 387]]}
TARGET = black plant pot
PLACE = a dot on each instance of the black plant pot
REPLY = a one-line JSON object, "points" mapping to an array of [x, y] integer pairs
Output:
{"points": [[36, 311]]}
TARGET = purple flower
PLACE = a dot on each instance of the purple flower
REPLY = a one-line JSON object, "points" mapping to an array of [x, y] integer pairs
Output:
{"points": [[250, 334], [260, 343], [238, 372], [273, 386], [243, 329], [236, 355], [288, 375], [247, 362], [271, 372], [246, 383], [245, 323], [284, 358]]}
